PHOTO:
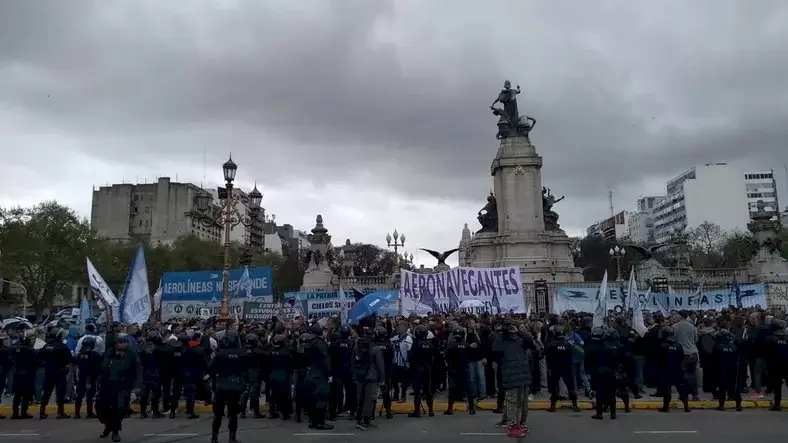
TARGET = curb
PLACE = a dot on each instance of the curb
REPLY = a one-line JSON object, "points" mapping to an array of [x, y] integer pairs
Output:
{"points": [[486, 405]]}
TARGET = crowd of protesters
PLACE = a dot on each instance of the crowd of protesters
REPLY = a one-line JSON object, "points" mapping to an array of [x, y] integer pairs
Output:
{"points": [[325, 371]]}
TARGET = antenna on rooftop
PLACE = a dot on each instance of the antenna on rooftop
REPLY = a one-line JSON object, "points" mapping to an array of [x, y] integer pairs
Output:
{"points": [[610, 201]]}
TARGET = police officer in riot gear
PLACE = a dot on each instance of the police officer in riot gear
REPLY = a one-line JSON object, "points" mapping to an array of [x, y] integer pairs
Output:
{"points": [[256, 359], [55, 358], [300, 365], [280, 367], [382, 342], [342, 396], [153, 356], [25, 362], [671, 367], [728, 382], [318, 378], [457, 361], [558, 356], [601, 361], [228, 372], [420, 360], [88, 365], [777, 360]]}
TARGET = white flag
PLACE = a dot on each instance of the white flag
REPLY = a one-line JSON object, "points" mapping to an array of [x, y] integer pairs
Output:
{"points": [[601, 303], [343, 305], [100, 288], [632, 300], [157, 298], [638, 324]]}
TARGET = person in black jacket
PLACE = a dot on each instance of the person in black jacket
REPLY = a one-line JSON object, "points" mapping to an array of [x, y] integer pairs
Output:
{"points": [[88, 365], [369, 373], [728, 381], [776, 354], [55, 359], [25, 363], [118, 375], [228, 372]]}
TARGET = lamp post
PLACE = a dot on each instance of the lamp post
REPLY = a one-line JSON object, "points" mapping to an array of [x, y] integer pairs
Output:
{"points": [[229, 217], [398, 242], [617, 253]]}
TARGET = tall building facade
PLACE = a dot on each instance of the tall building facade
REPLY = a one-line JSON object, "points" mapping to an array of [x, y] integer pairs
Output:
{"points": [[762, 186], [717, 193], [161, 212], [641, 223], [613, 228]]}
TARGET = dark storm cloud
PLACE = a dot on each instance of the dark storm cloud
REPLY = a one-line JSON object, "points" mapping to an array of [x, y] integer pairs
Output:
{"points": [[620, 90]]}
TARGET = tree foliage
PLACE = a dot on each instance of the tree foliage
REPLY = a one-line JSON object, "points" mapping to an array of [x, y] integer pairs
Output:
{"points": [[44, 248], [370, 260]]}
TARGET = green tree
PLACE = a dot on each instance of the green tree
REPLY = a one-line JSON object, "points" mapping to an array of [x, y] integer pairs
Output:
{"points": [[706, 242], [370, 260], [784, 243], [44, 249], [737, 250]]}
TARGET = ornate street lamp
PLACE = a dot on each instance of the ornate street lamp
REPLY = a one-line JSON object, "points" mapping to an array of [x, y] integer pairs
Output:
{"points": [[617, 253], [228, 216], [395, 244]]}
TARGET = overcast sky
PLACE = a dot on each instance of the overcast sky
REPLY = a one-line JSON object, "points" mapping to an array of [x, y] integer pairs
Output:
{"points": [[375, 113]]}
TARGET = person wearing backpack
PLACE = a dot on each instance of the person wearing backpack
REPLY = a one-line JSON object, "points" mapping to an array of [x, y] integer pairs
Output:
{"points": [[369, 372]]}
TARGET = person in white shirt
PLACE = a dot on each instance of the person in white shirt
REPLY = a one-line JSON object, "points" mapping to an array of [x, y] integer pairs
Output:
{"points": [[90, 331]]}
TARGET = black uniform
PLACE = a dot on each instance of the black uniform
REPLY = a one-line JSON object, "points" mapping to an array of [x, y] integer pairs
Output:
{"points": [[25, 363], [601, 361], [55, 359], [671, 369], [251, 395], [728, 380], [153, 357], [558, 356], [382, 342], [420, 360], [342, 396], [457, 361], [316, 381], [280, 370], [228, 371], [189, 369], [776, 349], [88, 365]]}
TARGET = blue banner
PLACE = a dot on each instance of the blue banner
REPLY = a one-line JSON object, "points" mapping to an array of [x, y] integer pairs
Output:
{"points": [[584, 299], [207, 285], [317, 304]]}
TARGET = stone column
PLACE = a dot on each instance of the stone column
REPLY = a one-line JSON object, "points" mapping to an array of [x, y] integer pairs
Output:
{"points": [[517, 172]]}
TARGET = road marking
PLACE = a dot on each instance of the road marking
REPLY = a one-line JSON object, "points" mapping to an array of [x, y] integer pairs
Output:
{"points": [[171, 435], [21, 434], [664, 432], [323, 434], [483, 434]]}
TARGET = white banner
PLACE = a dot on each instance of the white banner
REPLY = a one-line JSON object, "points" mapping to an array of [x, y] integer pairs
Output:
{"points": [[192, 309], [493, 290], [100, 287]]}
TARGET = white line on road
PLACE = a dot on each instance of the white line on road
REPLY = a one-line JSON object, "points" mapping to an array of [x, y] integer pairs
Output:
{"points": [[21, 434], [171, 435], [322, 434], [483, 434], [664, 432]]}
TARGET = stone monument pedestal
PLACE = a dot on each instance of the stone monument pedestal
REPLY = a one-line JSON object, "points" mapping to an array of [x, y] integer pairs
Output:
{"points": [[528, 234]]}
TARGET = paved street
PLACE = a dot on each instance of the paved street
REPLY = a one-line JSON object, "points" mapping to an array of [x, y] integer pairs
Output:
{"points": [[651, 427]]}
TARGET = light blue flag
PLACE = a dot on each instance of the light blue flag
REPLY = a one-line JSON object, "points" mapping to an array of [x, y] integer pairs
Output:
{"points": [[84, 314], [244, 286], [136, 299]]}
